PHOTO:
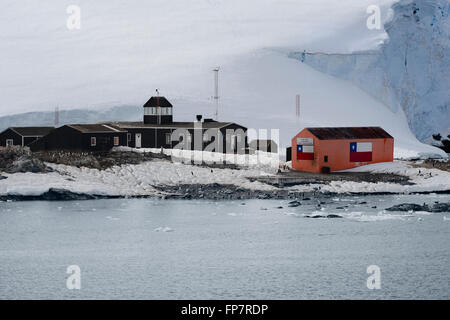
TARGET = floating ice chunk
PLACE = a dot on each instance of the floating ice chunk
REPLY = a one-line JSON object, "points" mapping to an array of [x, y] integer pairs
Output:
{"points": [[164, 229]]}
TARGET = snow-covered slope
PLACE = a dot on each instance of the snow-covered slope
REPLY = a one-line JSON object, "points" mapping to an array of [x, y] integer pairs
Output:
{"points": [[409, 71], [259, 91], [143, 180], [120, 55]]}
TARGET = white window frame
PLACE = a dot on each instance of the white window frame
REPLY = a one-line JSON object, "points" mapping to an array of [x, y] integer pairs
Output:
{"points": [[128, 137], [9, 142], [114, 141], [168, 138], [93, 141]]}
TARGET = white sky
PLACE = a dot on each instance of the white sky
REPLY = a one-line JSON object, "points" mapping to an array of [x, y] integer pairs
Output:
{"points": [[126, 49]]}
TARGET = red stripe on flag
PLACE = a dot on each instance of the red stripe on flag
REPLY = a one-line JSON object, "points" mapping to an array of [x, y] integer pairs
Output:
{"points": [[360, 156], [305, 156]]}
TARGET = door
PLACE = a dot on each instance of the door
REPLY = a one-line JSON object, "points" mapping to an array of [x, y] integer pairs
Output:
{"points": [[138, 140]]}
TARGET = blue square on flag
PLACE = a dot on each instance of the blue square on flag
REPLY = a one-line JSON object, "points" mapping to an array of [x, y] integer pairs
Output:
{"points": [[352, 146], [299, 149]]}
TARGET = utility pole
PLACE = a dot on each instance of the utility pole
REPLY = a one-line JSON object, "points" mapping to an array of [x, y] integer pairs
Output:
{"points": [[216, 91]]}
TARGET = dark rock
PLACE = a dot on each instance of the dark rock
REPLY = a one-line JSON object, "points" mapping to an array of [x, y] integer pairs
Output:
{"points": [[374, 207], [436, 207], [294, 204], [331, 216], [340, 208], [57, 195], [408, 207], [441, 207], [20, 159]]}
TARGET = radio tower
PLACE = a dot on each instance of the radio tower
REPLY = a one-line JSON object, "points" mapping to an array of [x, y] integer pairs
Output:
{"points": [[216, 91], [297, 108], [56, 117]]}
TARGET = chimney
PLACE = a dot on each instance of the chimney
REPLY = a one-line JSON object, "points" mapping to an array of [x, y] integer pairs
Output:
{"points": [[199, 117]]}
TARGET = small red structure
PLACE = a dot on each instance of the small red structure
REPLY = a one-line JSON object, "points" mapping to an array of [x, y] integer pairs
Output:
{"points": [[334, 149]]}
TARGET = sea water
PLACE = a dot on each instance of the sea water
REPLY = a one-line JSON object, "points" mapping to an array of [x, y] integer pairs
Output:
{"points": [[246, 249]]}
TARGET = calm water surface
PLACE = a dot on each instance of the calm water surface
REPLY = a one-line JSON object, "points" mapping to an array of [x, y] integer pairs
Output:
{"points": [[174, 249]]}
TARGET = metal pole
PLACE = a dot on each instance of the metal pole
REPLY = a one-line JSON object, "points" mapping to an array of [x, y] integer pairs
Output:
{"points": [[216, 91]]}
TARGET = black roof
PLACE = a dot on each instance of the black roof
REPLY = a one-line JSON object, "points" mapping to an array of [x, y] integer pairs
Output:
{"points": [[171, 125], [330, 133], [158, 102], [32, 131], [95, 128]]}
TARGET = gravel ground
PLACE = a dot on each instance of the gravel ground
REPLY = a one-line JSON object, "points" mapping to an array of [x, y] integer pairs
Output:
{"points": [[293, 178]]}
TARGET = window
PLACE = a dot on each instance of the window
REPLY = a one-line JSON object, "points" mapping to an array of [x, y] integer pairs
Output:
{"points": [[116, 141], [168, 138], [128, 137], [169, 111], [93, 141], [9, 142], [325, 159]]}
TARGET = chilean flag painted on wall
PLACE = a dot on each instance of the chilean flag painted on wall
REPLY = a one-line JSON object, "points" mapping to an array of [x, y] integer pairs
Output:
{"points": [[305, 152], [360, 151]]}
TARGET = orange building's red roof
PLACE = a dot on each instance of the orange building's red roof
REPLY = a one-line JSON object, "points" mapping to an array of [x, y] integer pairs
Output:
{"points": [[330, 133]]}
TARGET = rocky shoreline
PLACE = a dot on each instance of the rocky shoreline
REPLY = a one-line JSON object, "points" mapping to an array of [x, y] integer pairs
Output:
{"points": [[218, 192]]}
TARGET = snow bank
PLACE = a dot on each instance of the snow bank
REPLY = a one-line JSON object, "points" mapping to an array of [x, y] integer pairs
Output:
{"points": [[269, 162], [143, 180], [127, 180], [424, 179]]}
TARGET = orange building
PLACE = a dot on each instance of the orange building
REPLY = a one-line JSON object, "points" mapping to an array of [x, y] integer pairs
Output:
{"points": [[334, 149]]}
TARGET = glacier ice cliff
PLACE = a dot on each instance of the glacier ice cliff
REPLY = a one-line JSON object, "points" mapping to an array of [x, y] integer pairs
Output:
{"points": [[410, 70]]}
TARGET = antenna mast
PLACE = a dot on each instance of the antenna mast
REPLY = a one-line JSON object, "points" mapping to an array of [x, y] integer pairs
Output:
{"points": [[297, 108], [57, 116], [216, 91]]}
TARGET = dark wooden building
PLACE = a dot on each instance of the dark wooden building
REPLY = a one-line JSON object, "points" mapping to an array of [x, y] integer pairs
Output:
{"points": [[156, 130], [158, 110], [141, 135], [89, 137], [22, 136]]}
